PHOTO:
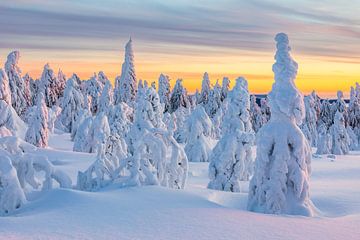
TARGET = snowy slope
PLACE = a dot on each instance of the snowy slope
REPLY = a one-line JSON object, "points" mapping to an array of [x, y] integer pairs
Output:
{"points": [[193, 213]]}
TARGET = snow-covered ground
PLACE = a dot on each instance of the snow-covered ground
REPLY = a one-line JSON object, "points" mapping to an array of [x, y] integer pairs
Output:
{"points": [[194, 213]]}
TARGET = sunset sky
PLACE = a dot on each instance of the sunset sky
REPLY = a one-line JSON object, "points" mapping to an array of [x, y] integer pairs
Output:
{"points": [[183, 39]]}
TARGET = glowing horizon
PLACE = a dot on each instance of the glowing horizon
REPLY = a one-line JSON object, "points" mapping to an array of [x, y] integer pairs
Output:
{"points": [[227, 39]]}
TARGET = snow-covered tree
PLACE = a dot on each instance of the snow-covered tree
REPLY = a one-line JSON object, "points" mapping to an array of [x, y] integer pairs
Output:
{"points": [[93, 89], [225, 88], [340, 137], [257, 119], [280, 184], [164, 91], [340, 106], [324, 144], [309, 125], [326, 114], [103, 79], [19, 99], [61, 83], [125, 86], [265, 109], [198, 128], [38, 133], [105, 100], [5, 93], [205, 89], [180, 115], [81, 136], [98, 133], [231, 160], [214, 101], [71, 105], [28, 88], [49, 86], [120, 118], [179, 97], [34, 89]]}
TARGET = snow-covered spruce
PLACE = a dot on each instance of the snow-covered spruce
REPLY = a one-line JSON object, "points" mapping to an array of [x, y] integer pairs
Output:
{"points": [[120, 117], [257, 119], [38, 133], [231, 160], [5, 93], [309, 125], [340, 106], [280, 184], [179, 97], [125, 86], [49, 86], [225, 88], [326, 113], [105, 100], [324, 144], [265, 110], [164, 91], [180, 115], [81, 139], [205, 89], [61, 83], [340, 137], [19, 99], [93, 88], [198, 129], [29, 93], [214, 101], [72, 103]]}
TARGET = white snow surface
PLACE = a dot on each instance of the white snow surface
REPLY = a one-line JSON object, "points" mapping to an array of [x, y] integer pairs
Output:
{"points": [[155, 212]]}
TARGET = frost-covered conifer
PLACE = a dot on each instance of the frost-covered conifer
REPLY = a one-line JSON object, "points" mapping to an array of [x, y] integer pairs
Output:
{"points": [[265, 109], [340, 137], [280, 184], [340, 106], [198, 128], [125, 86], [326, 114], [257, 119], [181, 114], [5, 93], [214, 101], [225, 88], [98, 133], [10, 120], [19, 99], [231, 160], [205, 89], [81, 136], [309, 126], [93, 89], [34, 89], [179, 97], [49, 86], [28, 88], [120, 117], [164, 91], [38, 133], [105, 100], [103, 79], [324, 144], [71, 105], [61, 83]]}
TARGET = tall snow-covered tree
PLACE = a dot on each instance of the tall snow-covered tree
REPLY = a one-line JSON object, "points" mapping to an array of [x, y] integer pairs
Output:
{"points": [[257, 119], [72, 103], [28, 88], [205, 89], [324, 143], [93, 89], [225, 88], [125, 86], [38, 133], [179, 97], [340, 138], [5, 93], [105, 100], [61, 83], [19, 99], [214, 101], [340, 106], [326, 114], [231, 160], [280, 184], [164, 91], [309, 125], [103, 79], [265, 109], [198, 128], [49, 86]]}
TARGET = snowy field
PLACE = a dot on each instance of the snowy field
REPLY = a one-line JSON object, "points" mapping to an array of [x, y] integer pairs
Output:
{"points": [[194, 213]]}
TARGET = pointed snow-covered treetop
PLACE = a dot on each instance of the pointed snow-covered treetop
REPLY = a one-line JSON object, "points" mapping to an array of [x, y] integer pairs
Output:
{"points": [[280, 184], [5, 93], [225, 88], [285, 99], [205, 89], [49, 86], [179, 97], [164, 91], [19, 100], [125, 87]]}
